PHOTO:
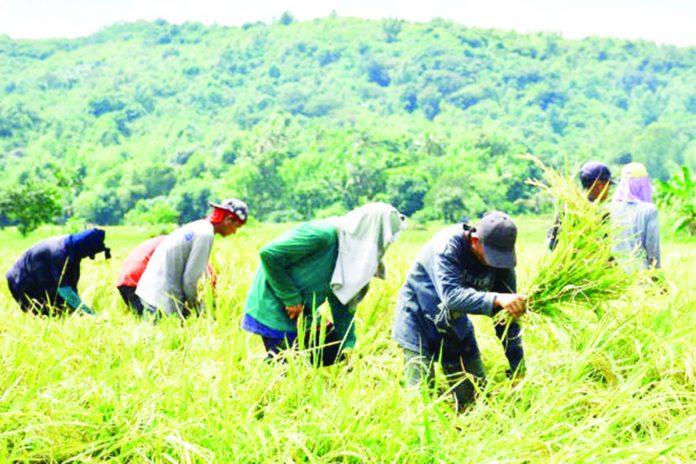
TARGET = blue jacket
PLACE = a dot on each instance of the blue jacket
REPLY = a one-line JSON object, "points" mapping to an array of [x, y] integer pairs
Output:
{"points": [[446, 284], [52, 263]]}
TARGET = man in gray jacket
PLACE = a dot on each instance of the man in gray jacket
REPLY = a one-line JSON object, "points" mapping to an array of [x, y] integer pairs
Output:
{"points": [[170, 281], [461, 271]]}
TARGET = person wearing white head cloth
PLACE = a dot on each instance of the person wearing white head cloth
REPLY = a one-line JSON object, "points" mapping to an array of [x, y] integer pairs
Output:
{"points": [[330, 260], [363, 236], [633, 211]]}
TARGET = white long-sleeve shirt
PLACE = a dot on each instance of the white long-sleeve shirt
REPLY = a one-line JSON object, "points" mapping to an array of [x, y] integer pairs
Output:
{"points": [[171, 276]]}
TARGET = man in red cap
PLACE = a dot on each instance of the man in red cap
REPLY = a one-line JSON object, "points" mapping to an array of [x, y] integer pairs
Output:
{"points": [[169, 283]]}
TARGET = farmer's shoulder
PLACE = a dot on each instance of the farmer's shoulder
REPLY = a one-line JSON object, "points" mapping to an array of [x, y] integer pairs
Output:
{"points": [[317, 229], [649, 209], [196, 230], [184, 236], [449, 241], [48, 246], [322, 226]]}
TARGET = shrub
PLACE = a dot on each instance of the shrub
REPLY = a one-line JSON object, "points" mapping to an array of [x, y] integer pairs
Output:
{"points": [[30, 205], [677, 195], [153, 211]]}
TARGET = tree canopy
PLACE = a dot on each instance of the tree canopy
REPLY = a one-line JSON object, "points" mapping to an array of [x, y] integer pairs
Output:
{"points": [[312, 118]]}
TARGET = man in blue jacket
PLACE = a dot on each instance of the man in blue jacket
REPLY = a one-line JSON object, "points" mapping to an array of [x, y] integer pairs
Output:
{"points": [[44, 279], [461, 271]]}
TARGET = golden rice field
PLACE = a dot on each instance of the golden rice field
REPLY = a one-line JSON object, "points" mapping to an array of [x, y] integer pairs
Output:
{"points": [[114, 388]]}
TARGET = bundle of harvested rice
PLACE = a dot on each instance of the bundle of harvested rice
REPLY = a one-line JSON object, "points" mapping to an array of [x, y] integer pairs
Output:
{"points": [[580, 272]]}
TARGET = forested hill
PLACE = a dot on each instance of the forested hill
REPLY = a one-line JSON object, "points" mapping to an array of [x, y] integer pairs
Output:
{"points": [[310, 118]]}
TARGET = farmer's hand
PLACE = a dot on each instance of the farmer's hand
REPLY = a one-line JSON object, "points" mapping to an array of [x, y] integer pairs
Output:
{"points": [[294, 311], [513, 303]]}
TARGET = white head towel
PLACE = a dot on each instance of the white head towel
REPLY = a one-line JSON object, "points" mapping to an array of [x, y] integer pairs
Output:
{"points": [[363, 236]]}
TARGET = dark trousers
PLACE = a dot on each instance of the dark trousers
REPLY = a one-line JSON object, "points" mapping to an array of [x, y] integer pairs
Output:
{"points": [[132, 300], [461, 363], [29, 305], [20, 297], [323, 351]]}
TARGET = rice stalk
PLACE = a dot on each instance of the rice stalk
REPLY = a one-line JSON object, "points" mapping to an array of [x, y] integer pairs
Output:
{"points": [[580, 273]]}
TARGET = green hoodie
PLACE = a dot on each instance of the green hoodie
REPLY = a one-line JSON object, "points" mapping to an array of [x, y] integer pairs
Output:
{"points": [[296, 268]]}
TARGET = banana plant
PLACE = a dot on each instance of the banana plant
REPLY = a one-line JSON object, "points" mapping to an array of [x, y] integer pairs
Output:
{"points": [[679, 195]]}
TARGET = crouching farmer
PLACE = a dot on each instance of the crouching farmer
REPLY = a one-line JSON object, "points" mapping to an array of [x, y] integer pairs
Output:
{"points": [[170, 281], [461, 271], [44, 279], [133, 268], [326, 259]]}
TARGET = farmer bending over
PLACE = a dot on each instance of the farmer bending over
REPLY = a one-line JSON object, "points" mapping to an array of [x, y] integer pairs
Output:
{"points": [[460, 271], [44, 279], [326, 259], [170, 281], [133, 268]]}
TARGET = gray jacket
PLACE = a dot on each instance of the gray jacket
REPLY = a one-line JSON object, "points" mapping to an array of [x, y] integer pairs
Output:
{"points": [[640, 233], [171, 276]]}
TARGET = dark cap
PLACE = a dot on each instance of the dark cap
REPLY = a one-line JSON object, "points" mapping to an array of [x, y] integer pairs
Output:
{"points": [[234, 206], [594, 171], [498, 233]]}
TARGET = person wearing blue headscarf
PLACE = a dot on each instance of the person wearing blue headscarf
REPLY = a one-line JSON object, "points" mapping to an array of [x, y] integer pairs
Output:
{"points": [[44, 279]]}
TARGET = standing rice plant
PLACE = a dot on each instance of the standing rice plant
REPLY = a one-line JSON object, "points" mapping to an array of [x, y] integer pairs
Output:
{"points": [[115, 388], [580, 272]]}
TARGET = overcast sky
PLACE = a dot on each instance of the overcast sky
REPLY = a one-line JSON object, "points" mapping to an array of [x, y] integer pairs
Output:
{"points": [[665, 21]]}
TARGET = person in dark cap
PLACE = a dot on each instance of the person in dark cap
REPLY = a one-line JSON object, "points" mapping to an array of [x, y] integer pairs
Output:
{"points": [[595, 178], [44, 279], [462, 270], [169, 284]]}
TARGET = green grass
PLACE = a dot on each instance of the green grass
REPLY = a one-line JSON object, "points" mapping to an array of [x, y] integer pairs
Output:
{"points": [[84, 389]]}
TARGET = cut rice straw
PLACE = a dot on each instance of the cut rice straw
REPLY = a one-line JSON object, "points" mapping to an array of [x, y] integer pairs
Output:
{"points": [[580, 273]]}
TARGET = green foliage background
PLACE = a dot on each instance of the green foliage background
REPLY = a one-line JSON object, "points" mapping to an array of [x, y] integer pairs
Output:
{"points": [[312, 118]]}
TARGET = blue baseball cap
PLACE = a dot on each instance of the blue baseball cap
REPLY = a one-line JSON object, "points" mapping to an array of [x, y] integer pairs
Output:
{"points": [[594, 171]]}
